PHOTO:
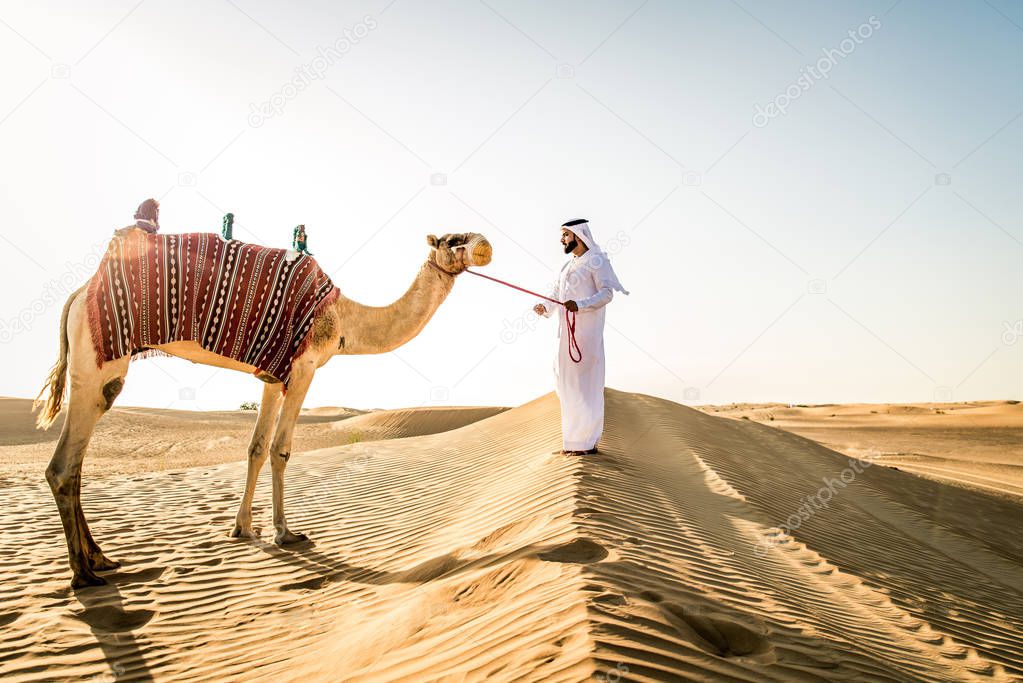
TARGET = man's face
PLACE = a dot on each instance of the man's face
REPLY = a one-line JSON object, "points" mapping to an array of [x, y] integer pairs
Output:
{"points": [[568, 240]]}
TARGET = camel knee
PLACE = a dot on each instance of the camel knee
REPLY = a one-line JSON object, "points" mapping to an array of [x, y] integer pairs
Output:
{"points": [[60, 480], [110, 392], [278, 463], [258, 447], [54, 477]]}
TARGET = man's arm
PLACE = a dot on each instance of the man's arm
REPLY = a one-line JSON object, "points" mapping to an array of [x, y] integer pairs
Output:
{"points": [[546, 308], [605, 292]]}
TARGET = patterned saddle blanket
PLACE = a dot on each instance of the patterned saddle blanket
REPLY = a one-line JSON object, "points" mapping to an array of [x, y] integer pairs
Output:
{"points": [[243, 301]]}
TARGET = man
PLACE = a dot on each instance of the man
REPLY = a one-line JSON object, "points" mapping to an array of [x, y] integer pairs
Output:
{"points": [[586, 284], [147, 219]]}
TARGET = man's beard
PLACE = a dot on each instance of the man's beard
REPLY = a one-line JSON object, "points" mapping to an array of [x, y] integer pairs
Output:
{"points": [[570, 247]]}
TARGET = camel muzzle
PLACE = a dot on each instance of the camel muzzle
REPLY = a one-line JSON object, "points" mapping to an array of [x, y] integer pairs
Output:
{"points": [[478, 251]]}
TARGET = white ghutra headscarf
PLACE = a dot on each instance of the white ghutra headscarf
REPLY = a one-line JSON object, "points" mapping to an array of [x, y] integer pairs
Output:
{"points": [[595, 255]]}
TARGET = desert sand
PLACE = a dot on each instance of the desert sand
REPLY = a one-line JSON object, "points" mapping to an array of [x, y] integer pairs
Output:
{"points": [[678, 553], [135, 440], [977, 444]]}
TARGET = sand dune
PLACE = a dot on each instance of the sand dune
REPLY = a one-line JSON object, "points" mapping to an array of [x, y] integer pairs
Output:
{"points": [[136, 440], [978, 444], [334, 412], [477, 554], [397, 424]]}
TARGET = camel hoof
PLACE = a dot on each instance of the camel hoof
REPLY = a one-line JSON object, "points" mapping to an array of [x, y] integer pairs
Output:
{"points": [[240, 532], [84, 580], [104, 563], [289, 537]]}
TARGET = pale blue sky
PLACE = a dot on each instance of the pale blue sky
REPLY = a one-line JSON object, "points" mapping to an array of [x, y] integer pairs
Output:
{"points": [[864, 246]]}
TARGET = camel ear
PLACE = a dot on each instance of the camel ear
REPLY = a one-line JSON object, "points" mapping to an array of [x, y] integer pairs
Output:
{"points": [[432, 240]]}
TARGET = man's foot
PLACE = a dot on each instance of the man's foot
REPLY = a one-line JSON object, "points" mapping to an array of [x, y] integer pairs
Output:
{"points": [[590, 451]]}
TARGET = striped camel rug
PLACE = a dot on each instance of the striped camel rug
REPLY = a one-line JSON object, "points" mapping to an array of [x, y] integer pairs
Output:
{"points": [[242, 301]]}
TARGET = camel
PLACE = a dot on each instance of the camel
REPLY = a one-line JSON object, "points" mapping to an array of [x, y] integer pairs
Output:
{"points": [[345, 327]]}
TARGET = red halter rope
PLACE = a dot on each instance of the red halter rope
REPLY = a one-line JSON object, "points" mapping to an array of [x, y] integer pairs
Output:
{"points": [[573, 345]]}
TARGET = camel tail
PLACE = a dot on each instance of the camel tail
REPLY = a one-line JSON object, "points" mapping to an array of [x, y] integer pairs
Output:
{"points": [[56, 383]]}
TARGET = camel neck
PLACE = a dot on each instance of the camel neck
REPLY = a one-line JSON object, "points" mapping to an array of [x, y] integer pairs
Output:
{"points": [[380, 329]]}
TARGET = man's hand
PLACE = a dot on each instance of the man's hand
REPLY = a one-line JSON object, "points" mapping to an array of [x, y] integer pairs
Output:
{"points": [[572, 306], [540, 309]]}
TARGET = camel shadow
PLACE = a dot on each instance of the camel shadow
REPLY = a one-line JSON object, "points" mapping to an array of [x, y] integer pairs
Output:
{"points": [[325, 569], [113, 625]]}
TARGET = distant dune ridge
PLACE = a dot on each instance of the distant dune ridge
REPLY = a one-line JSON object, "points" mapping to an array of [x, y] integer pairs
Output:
{"points": [[977, 444], [686, 550], [135, 440]]}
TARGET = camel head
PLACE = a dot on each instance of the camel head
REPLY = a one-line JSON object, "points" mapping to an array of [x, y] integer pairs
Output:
{"points": [[455, 252]]}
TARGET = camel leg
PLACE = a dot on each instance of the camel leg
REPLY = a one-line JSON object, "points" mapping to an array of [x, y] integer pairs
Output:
{"points": [[269, 409], [93, 390], [301, 378], [97, 560]]}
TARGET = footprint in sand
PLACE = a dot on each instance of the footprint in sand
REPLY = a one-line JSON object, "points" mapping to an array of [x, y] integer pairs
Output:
{"points": [[433, 569], [579, 551], [611, 599], [719, 634], [8, 617], [315, 583]]}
